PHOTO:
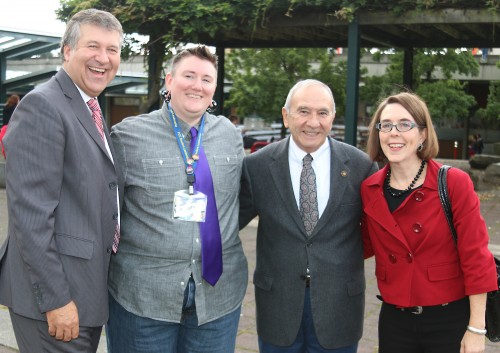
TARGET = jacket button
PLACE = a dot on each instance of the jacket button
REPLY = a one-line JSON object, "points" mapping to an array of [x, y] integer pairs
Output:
{"points": [[409, 257], [416, 227], [115, 216], [108, 250], [392, 258], [419, 196], [309, 244], [112, 185]]}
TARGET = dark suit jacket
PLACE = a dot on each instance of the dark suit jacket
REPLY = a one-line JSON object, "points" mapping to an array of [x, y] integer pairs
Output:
{"points": [[61, 197], [333, 252]]}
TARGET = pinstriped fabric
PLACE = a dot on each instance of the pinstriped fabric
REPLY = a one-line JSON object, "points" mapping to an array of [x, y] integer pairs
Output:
{"points": [[97, 117]]}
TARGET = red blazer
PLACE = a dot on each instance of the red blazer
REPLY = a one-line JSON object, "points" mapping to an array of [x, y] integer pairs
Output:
{"points": [[416, 260]]}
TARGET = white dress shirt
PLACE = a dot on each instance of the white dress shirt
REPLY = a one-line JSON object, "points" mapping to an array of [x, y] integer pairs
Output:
{"points": [[321, 167]]}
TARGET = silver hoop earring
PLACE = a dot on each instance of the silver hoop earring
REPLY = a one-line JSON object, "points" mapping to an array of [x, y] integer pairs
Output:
{"points": [[167, 96], [212, 107], [420, 147]]}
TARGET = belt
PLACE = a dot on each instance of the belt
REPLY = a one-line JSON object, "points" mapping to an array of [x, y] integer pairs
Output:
{"points": [[418, 310]]}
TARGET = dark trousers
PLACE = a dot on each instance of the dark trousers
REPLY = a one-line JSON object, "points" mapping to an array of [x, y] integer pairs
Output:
{"points": [[439, 329], [306, 340], [33, 336]]}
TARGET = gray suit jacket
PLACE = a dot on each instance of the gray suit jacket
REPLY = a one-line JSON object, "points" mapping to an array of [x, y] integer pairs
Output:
{"points": [[61, 193], [333, 252]]}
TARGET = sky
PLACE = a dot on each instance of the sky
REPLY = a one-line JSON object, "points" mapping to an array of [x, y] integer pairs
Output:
{"points": [[37, 16]]}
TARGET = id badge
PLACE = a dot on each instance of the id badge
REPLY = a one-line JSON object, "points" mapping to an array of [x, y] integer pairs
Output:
{"points": [[191, 208]]}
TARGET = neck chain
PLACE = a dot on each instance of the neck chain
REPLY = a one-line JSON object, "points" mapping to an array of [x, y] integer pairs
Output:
{"points": [[399, 193]]}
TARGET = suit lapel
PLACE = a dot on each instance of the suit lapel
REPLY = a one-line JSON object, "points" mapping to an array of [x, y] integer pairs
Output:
{"points": [[279, 169], [80, 109], [339, 174]]}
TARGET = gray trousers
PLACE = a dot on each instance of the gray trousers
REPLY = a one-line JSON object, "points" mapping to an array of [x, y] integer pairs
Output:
{"points": [[32, 336]]}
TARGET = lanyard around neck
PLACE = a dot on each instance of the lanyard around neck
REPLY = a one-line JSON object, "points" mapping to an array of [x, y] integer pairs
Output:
{"points": [[190, 159]]}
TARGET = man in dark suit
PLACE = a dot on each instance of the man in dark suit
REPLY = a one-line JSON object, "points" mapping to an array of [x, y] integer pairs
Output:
{"points": [[309, 278], [63, 197]]}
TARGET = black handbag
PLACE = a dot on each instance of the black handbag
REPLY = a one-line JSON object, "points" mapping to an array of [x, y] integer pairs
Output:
{"points": [[493, 298]]}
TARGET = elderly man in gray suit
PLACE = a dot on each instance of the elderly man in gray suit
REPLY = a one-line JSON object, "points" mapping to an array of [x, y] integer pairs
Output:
{"points": [[63, 197], [309, 278]]}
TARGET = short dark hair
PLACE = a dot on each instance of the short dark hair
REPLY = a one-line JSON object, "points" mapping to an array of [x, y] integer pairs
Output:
{"points": [[200, 51]]}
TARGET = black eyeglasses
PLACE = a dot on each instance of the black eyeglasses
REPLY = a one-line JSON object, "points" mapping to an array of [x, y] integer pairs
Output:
{"points": [[401, 126]]}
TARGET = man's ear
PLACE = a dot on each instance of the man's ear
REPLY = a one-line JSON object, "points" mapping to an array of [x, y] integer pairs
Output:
{"points": [[285, 116]]}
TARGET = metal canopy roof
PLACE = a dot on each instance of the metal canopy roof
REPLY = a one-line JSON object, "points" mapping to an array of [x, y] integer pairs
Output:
{"points": [[18, 45], [452, 28], [311, 27]]}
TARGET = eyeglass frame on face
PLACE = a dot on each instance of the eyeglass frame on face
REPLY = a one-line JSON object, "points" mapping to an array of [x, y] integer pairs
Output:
{"points": [[397, 125], [307, 113]]}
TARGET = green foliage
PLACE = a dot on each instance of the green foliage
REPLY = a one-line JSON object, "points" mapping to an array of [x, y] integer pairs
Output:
{"points": [[429, 65], [170, 23], [446, 100], [262, 77], [492, 110]]}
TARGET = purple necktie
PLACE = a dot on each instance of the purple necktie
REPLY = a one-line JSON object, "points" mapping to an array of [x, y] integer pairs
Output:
{"points": [[211, 247]]}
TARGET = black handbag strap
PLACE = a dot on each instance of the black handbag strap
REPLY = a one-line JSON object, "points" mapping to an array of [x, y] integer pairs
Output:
{"points": [[445, 199]]}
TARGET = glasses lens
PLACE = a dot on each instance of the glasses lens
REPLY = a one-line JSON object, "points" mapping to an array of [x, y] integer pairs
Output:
{"points": [[404, 126], [385, 127]]}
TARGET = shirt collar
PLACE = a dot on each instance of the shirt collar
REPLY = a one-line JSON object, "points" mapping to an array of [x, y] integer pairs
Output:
{"points": [[297, 154]]}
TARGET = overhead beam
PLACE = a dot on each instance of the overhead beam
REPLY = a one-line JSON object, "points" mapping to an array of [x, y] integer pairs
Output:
{"points": [[29, 49], [28, 79], [445, 16]]}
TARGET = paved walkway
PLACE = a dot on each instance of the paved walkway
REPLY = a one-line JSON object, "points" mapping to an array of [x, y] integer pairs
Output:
{"points": [[247, 336]]}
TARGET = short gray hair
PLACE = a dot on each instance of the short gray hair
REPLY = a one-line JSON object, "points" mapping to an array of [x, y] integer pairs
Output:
{"points": [[95, 17], [305, 83]]}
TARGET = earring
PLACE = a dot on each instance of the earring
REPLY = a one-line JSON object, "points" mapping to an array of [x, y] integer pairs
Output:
{"points": [[212, 107], [167, 96], [420, 147]]}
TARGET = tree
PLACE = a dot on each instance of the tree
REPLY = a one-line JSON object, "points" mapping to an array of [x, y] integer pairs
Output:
{"points": [[428, 63], [170, 23], [429, 66], [492, 110], [167, 23], [262, 77], [447, 101]]}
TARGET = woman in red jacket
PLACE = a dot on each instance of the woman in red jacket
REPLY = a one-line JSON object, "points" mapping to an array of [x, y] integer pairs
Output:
{"points": [[433, 292]]}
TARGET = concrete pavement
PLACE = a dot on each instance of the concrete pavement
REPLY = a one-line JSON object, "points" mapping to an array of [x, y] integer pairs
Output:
{"points": [[247, 336]]}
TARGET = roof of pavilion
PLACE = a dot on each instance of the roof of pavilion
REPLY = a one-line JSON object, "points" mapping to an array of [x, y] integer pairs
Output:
{"points": [[452, 28]]}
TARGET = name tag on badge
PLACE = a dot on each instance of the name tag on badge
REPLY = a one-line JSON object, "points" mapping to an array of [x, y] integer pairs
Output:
{"points": [[191, 208]]}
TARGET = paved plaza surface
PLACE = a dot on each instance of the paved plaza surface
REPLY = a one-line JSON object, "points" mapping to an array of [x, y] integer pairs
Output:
{"points": [[247, 335]]}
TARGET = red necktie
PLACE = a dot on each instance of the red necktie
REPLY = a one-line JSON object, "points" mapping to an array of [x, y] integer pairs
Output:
{"points": [[97, 117]]}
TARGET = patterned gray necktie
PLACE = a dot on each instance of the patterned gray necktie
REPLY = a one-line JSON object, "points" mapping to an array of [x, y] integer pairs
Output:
{"points": [[308, 195]]}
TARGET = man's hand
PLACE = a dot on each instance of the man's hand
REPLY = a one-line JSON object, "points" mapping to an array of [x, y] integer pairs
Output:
{"points": [[63, 322]]}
